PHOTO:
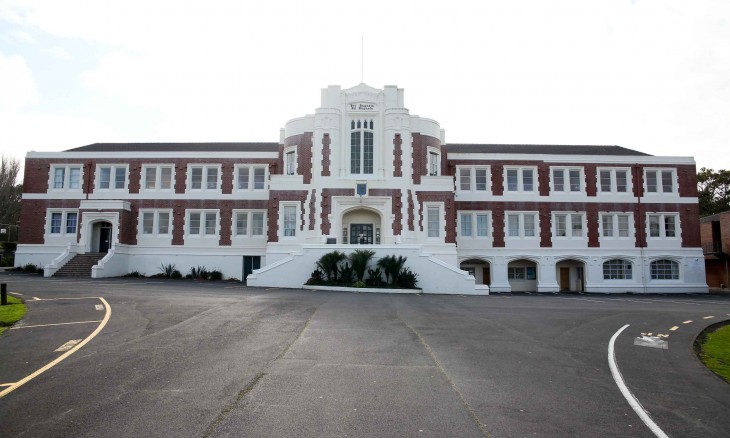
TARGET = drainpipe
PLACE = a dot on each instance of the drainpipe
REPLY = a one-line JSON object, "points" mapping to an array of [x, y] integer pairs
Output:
{"points": [[642, 229]]}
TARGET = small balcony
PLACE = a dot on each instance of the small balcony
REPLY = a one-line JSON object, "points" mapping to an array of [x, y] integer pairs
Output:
{"points": [[712, 248]]}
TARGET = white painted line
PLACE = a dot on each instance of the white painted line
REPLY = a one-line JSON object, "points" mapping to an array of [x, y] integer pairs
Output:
{"points": [[707, 317], [50, 325], [687, 322], [633, 401], [15, 293], [59, 299], [68, 345], [674, 328], [583, 299], [99, 307], [36, 298], [60, 358]]}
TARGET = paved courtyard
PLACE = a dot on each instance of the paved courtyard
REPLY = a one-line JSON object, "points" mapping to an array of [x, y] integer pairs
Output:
{"points": [[179, 358]]}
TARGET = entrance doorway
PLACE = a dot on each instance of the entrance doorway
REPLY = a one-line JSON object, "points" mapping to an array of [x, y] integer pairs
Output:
{"points": [[101, 237], [570, 275], [361, 234], [522, 275], [480, 269], [250, 263]]}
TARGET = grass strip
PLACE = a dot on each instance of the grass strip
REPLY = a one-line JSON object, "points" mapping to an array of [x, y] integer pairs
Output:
{"points": [[714, 351], [11, 313]]}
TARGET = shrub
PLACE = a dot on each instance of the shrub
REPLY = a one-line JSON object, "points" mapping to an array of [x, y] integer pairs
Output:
{"points": [[359, 260], [199, 272], [407, 279], [30, 267], [346, 274], [176, 274], [316, 278], [167, 270], [8, 261], [215, 275], [375, 278], [359, 283], [134, 274], [329, 264]]}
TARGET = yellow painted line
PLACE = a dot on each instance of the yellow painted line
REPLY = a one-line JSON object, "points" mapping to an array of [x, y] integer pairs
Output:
{"points": [[707, 317], [7, 384], [687, 322], [49, 325], [60, 358], [674, 328]]}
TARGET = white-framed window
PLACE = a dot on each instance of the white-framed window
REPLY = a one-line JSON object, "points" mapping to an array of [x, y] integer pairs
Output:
{"points": [[434, 162], [249, 223], [520, 179], [473, 179], [155, 222], [66, 177], [62, 222], [521, 273], [289, 220], [250, 177], [663, 225], [568, 225], [521, 224], [566, 179], [616, 225], [660, 180], [614, 180], [204, 177], [664, 270], [158, 177], [433, 220], [617, 269], [202, 223], [362, 146], [111, 177], [290, 160], [474, 224]]}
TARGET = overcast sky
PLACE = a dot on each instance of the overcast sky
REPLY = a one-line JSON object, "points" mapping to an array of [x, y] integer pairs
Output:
{"points": [[647, 75]]}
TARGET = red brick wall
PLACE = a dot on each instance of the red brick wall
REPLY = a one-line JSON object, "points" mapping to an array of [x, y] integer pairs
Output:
{"points": [[397, 156], [411, 209], [327, 195], [275, 196], [420, 154], [447, 198], [326, 155], [396, 203], [312, 208], [303, 143]]}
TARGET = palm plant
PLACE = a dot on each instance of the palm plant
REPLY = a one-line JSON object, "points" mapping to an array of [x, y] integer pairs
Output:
{"points": [[329, 264], [392, 266], [359, 261]]}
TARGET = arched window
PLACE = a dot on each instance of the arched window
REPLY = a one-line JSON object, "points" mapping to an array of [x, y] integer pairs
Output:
{"points": [[664, 270], [361, 147], [617, 269]]}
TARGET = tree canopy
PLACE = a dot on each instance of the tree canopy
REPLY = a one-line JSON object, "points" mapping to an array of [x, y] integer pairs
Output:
{"points": [[714, 191], [10, 193]]}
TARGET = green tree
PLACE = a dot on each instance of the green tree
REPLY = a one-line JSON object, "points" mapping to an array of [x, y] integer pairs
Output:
{"points": [[714, 191], [10, 193], [359, 260], [329, 264]]}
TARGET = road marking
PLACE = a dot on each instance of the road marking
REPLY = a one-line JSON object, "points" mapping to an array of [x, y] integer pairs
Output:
{"points": [[68, 345], [59, 299], [674, 328], [15, 293], [652, 341], [36, 298], [707, 317], [633, 401], [7, 384], [99, 307], [687, 322], [49, 325], [583, 299], [60, 358]]}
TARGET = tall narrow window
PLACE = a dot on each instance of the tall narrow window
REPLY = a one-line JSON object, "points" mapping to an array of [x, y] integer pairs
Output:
{"points": [[482, 225], [558, 180], [291, 163], [481, 179], [621, 182], [194, 226], [166, 178], [362, 147], [120, 175], [105, 177], [465, 179], [259, 178], [466, 225], [607, 223], [210, 223], [574, 180], [163, 224], [529, 225], [433, 163], [667, 183], [56, 223], [241, 224], [212, 178], [290, 220], [560, 225], [651, 181], [196, 180], [513, 225], [512, 181], [257, 224], [605, 180], [71, 222], [527, 180], [148, 222], [59, 176], [243, 175], [623, 225], [74, 178], [150, 178], [433, 221]]}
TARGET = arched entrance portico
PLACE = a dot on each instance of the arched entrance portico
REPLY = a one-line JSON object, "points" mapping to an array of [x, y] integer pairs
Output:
{"points": [[570, 274], [522, 275], [480, 269], [361, 225]]}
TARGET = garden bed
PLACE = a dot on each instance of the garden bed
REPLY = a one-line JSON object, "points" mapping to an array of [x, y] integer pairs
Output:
{"points": [[380, 290]]}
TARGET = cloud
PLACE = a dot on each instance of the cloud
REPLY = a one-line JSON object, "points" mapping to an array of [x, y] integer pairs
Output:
{"points": [[17, 87], [57, 52]]}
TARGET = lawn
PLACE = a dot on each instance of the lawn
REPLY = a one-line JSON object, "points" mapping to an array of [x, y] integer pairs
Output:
{"points": [[11, 313], [715, 352]]}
